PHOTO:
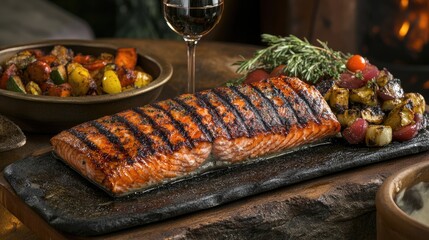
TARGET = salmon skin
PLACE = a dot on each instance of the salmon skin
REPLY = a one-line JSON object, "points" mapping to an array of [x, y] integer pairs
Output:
{"points": [[144, 147]]}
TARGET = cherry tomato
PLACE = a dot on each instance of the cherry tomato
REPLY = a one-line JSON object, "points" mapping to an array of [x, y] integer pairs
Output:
{"points": [[39, 71], [256, 76], [356, 63]]}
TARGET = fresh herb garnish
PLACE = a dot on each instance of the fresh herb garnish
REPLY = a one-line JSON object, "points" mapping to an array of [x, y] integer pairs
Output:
{"points": [[302, 59]]}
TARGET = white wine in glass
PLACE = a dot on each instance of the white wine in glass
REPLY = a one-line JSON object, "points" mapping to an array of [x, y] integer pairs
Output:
{"points": [[192, 19]]}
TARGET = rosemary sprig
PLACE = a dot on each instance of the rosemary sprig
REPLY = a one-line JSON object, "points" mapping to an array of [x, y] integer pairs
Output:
{"points": [[302, 59]]}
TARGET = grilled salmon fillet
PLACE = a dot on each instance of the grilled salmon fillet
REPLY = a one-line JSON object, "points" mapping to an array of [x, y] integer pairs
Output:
{"points": [[146, 146]]}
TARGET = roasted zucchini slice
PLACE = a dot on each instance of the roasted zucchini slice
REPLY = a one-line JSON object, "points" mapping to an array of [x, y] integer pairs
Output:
{"points": [[14, 83], [59, 74]]}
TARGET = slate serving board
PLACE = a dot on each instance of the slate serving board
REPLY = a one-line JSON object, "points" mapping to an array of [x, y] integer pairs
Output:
{"points": [[72, 204]]}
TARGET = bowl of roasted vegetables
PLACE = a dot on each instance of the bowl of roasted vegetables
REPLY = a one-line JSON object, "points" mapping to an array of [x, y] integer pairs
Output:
{"points": [[53, 85]]}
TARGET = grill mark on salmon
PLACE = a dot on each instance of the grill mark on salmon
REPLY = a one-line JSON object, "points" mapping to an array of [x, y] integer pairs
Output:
{"points": [[252, 107], [196, 117], [143, 147], [145, 141], [292, 116], [291, 98], [271, 108], [238, 119], [313, 108], [217, 119], [112, 139], [158, 131], [181, 129], [82, 137]]}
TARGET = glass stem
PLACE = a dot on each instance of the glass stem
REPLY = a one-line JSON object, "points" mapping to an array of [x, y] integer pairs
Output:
{"points": [[192, 44]]}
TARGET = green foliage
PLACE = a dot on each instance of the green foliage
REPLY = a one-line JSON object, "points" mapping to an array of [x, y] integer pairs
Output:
{"points": [[302, 59]]}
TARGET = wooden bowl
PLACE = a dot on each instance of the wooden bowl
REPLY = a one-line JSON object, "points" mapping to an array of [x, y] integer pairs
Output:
{"points": [[47, 114], [392, 222]]}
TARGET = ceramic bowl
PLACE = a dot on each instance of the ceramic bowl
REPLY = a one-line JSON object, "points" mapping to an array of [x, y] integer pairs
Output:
{"points": [[392, 222], [47, 114]]}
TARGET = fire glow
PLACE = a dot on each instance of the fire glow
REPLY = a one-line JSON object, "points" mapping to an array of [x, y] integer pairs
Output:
{"points": [[412, 24]]}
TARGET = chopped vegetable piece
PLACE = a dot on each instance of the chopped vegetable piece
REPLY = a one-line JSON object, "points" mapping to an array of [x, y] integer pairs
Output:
{"points": [[142, 79], [369, 72], [339, 99], [80, 80], [126, 76], [350, 81], [405, 133], [38, 71], [59, 74], [389, 105], [365, 95], [111, 83], [10, 71], [348, 117], [417, 101], [126, 57], [400, 116], [373, 115], [355, 133], [15, 84], [33, 88], [378, 135], [63, 90], [49, 59]]}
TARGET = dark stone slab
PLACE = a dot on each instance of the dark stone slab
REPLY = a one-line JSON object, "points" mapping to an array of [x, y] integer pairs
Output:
{"points": [[71, 204]]}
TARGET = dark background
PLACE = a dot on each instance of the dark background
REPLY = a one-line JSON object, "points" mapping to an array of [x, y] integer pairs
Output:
{"points": [[143, 19]]}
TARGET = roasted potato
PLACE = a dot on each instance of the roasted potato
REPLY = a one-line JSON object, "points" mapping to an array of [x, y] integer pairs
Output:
{"points": [[373, 115], [347, 117], [400, 116], [339, 99], [389, 105], [383, 77], [365, 95], [378, 135], [417, 101]]}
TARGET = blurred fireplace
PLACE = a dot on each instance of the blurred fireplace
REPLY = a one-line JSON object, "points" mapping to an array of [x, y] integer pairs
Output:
{"points": [[396, 36], [390, 33]]}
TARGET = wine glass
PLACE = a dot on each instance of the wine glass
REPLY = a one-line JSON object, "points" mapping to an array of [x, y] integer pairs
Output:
{"points": [[192, 19]]}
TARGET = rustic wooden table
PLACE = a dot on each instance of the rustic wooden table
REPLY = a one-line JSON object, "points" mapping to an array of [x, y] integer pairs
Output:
{"points": [[338, 206]]}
